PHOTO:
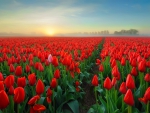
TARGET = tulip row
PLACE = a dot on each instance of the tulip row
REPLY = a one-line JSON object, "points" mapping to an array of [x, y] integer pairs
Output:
{"points": [[44, 74], [122, 83]]}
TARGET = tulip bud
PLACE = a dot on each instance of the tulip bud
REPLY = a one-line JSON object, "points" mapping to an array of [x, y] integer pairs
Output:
{"points": [[147, 77], [4, 100], [123, 88], [32, 79], [128, 98], [95, 80], [130, 82], [18, 71], [9, 81], [53, 83], [19, 95], [107, 83], [39, 87], [57, 74], [21, 82]]}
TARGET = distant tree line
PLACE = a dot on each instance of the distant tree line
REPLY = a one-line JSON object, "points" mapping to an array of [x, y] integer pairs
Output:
{"points": [[127, 32]]}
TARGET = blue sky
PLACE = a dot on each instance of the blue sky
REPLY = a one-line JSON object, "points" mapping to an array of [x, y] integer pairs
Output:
{"points": [[51, 17]]}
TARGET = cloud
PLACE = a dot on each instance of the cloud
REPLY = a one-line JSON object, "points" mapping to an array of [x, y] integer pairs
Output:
{"points": [[39, 14]]}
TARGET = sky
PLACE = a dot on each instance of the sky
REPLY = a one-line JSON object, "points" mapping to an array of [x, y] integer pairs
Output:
{"points": [[52, 17]]}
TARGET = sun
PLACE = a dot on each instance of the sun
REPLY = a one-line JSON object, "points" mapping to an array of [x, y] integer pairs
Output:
{"points": [[49, 32]]}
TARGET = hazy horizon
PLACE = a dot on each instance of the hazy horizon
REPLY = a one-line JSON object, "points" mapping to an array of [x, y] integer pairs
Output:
{"points": [[54, 17]]}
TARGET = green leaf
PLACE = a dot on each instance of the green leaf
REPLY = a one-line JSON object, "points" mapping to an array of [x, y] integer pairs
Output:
{"points": [[81, 76], [41, 101], [102, 101], [71, 87], [119, 101], [59, 90], [66, 111], [135, 110], [91, 110], [98, 89], [111, 105], [74, 106], [24, 104], [117, 111]]}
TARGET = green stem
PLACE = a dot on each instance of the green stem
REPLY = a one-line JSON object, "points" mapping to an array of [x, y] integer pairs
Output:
{"points": [[18, 108], [32, 89], [101, 77], [141, 82], [53, 101], [107, 100], [147, 107], [115, 95], [122, 104], [129, 109], [11, 103], [95, 92]]}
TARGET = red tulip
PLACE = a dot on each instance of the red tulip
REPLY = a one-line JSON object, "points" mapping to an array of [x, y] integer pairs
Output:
{"points": [[147, 94], [21, 82], [9, 81], [32, 79], [77, 70], [49, 92], [36, 65], [115, 71], [48, 99], [53, 83], [123, 61], [40, 67], [113, 64], [114, 81], [77, 89], [39, 87], [107, 83], [42, 59], [57, 74], [1, 77], [2, 85], [98, 61], [101, 68], [134, 71], [4, 100], [19, 95], [18, 71], [123, 88], [11, 68], [24, 59], [11, 90], [142, 66], [128, 98], [143, 100], [47, 63], [147, 77], [28, 68], [31, 63], [77, 83], [30, 57], [130, 82], [38, 107], [95, 80], [133, 62], [55, 61], [33, 100]]}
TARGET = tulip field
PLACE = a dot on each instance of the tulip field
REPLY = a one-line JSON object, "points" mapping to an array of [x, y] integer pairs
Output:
{"points": [[47, 75]]}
